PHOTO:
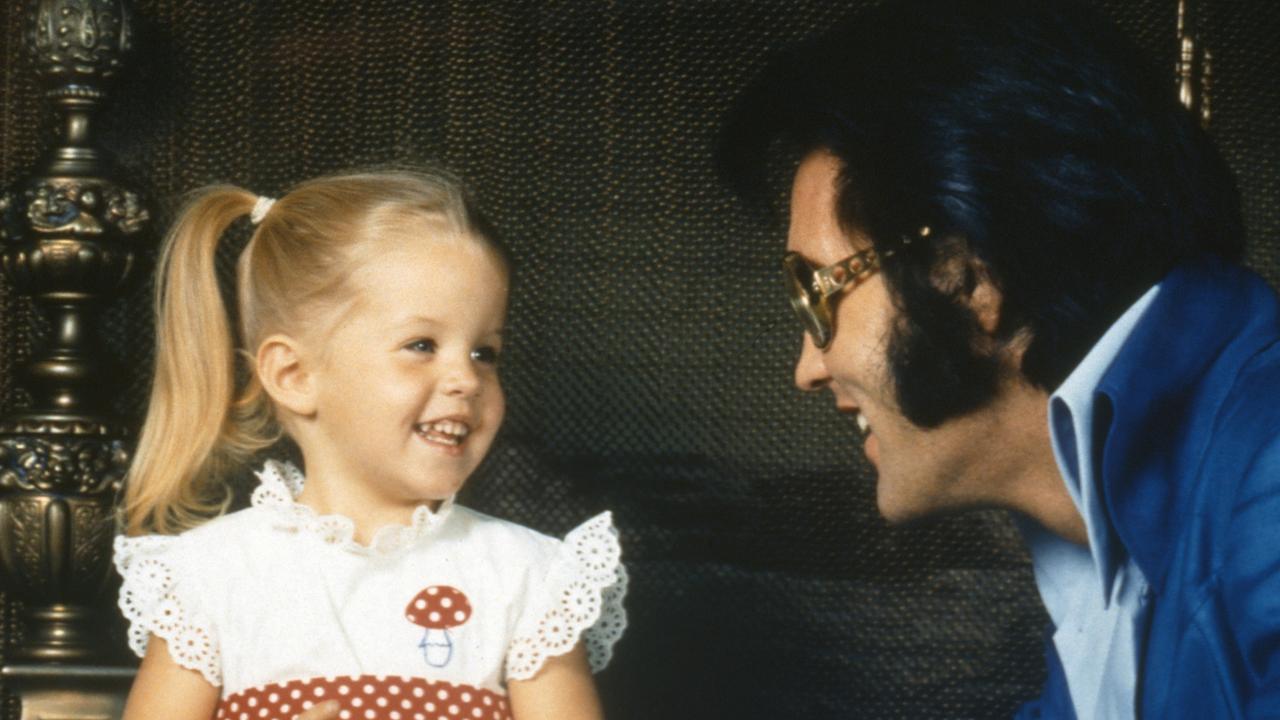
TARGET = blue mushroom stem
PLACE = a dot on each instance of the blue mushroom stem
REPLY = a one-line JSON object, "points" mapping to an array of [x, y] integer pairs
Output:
{"points": [[437, 647]]}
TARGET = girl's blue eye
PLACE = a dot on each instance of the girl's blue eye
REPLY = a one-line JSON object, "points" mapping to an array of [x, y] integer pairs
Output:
{"points": [[487, 355], [422, 346]]}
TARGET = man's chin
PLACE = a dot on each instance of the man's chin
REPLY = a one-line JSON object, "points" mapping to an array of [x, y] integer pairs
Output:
{"points": [[905, 511], [899, 509]]}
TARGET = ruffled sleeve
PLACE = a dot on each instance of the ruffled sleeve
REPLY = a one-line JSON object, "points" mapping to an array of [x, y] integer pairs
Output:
{"points": [[157, 602], [580, 598]]}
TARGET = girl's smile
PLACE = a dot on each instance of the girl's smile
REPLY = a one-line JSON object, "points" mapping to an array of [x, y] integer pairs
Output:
{"points": [[447, 433]]}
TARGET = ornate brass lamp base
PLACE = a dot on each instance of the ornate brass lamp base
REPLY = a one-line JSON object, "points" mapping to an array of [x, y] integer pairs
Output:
{"points": [[58, 483], [70, 233]]}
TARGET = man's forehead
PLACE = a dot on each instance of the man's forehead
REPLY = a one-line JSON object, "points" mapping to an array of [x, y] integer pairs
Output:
{"points": [[814, 229]]}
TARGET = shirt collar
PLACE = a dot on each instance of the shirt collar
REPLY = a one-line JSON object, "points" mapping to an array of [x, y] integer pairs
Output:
{"points": [[280, 483], [1073, 429]]}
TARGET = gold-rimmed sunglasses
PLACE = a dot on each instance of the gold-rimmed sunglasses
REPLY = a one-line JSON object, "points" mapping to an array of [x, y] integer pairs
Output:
{"points": [[810, 287]]}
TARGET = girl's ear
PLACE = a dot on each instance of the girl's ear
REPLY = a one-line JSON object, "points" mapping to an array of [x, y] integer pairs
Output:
{"points": [[286, 375]]}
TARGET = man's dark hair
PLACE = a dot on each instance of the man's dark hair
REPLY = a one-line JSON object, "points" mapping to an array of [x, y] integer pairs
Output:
{"points": [[1032, 138]]}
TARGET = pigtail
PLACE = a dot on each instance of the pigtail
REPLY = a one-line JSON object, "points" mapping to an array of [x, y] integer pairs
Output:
{"points": [[190, 432]]}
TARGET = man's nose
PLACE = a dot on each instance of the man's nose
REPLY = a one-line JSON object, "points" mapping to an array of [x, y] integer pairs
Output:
{"points": [[811, 368]]}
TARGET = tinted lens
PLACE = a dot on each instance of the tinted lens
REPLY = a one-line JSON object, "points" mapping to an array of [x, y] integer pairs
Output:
{"points": [[808, 303]]}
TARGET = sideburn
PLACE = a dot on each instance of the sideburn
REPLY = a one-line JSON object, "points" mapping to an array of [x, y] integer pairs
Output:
{"points": [[937, 369]]}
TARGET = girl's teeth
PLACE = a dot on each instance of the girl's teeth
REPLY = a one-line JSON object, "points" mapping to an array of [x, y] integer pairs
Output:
{"points": [[448, 432]]}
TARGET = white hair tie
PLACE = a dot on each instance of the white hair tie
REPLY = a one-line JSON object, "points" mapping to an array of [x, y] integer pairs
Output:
{"points": [[260, 209]]}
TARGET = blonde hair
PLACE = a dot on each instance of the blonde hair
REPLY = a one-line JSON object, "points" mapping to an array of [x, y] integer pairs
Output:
{"points": [[204, 418]]}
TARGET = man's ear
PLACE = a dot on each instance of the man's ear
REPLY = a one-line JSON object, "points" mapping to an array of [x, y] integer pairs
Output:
{"points": [[286, 374], [964, 277], [985, 299]]}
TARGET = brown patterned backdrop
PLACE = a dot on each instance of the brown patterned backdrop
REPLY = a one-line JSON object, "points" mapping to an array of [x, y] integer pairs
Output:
{"points": [[650, 356]]}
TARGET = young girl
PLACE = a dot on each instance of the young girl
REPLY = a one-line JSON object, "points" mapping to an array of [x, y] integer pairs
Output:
{"points": [[370, 314]]}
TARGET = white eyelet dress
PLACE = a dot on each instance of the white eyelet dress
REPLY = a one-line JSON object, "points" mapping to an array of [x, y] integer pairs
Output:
{"points": [[282, 609]]}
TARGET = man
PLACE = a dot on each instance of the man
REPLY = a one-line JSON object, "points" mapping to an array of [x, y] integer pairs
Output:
{"points": [[1014, 256]]}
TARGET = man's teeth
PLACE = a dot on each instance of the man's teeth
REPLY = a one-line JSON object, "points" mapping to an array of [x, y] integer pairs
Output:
{"points": [[863, 425], [448, 432]]}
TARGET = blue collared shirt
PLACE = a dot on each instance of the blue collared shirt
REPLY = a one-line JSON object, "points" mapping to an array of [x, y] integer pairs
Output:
{"points": [[1096, 596]]}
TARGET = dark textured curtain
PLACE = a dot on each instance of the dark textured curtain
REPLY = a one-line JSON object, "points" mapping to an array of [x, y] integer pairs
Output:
{"points": [[650, 342]]}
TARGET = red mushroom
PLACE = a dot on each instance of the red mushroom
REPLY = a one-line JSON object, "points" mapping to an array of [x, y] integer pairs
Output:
{"points": [[437, 609]]}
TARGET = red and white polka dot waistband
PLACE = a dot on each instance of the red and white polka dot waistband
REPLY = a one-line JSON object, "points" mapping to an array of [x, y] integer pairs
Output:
{"points": [[367, 697]]}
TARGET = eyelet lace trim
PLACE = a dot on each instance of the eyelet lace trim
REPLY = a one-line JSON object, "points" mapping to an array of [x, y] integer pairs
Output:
{"points": [[590, 583], [281, 482], [149, 603]]}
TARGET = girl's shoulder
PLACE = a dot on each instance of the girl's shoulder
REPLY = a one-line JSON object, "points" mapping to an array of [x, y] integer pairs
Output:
{"points": [[475, 527], [480, 526], [227, 526], [170, 585], [568, 590], [222, 540], [225, 534]]}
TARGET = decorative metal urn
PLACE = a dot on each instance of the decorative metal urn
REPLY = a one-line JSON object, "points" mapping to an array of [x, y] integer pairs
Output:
{"points": [[67, 239]]}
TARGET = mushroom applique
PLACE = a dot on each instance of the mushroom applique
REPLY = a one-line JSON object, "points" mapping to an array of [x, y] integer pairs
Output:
{"points": [[437, 609]]}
